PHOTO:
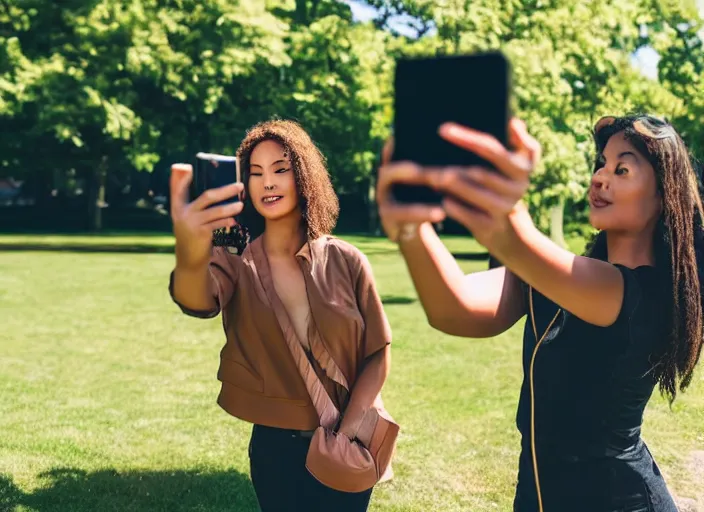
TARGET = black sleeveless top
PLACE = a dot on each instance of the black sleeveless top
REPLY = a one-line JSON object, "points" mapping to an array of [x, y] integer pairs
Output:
{"points": [[591, 384]]}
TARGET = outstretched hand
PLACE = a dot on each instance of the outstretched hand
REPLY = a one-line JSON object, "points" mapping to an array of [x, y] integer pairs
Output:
{"points": [[485, 200], [394, 215], [195, 222]]}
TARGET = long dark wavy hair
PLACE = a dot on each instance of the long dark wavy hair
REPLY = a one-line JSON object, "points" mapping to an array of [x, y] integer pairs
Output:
{"points": [[318, 201], [678, 240]]}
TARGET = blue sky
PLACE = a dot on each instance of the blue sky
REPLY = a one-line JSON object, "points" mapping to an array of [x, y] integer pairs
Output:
{"points": [[363, 12], [646, 58]]}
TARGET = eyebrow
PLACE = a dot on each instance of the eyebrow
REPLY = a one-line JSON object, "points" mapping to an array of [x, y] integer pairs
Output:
{"points": [[621, 155], [277, 162]]}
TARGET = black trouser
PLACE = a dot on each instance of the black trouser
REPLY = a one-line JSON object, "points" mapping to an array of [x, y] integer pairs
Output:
{"points": [[277, 459]]}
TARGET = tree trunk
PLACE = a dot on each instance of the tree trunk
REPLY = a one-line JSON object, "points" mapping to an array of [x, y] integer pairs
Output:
{"points": [[557, 215], [302, 12], [373, 212], [97, 200]]}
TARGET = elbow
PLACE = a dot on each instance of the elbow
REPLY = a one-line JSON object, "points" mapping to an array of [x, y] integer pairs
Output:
{"points": [[462, 327], [379, 364], [386, 362], [446, 324], [383, 361], [439, 323]]}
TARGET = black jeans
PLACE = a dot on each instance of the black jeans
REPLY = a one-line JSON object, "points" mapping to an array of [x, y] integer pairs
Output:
{"points": [[277, 459], [629, 482]]}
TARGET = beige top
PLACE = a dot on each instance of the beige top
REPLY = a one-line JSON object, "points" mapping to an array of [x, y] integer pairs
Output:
{"points": [[260, 380]]}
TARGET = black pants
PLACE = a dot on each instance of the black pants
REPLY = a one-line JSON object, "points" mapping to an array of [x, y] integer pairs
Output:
{"points": [[628, 482], [277, 459]]}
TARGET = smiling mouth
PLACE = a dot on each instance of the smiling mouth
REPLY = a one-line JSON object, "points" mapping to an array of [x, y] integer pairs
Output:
{"points": [[271, 199]]}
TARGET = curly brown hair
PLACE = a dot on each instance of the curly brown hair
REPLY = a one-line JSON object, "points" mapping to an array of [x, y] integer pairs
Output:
{"points": [[678, 241], [318, 201]]}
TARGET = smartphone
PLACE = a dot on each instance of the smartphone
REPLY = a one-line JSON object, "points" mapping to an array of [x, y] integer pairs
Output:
{"points": [[213, 171], [472, 90]]}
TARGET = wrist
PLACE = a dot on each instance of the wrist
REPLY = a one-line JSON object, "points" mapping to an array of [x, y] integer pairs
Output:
{"points": [[196, 270], [407, 233], [346, 431], [188, 262], [411, 233], [518, 227]]}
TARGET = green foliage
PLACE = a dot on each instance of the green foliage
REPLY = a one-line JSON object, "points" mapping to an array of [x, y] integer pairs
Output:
{"points": [[571, 63], [339, 88], [131, 84]]}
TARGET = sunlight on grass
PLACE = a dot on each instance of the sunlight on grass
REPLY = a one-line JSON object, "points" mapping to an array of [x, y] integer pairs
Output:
{"points": [[109, 396]]}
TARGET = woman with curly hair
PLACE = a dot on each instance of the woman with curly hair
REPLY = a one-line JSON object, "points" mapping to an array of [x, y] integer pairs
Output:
{"points": [[292, 283], [602, 330]]}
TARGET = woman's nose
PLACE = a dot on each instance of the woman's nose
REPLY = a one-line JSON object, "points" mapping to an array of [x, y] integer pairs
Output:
{"points": [[600, 180], [268, 182]]}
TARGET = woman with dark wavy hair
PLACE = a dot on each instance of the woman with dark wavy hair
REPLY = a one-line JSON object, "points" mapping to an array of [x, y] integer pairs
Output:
{"points": [[602, 330], [289, 285]]}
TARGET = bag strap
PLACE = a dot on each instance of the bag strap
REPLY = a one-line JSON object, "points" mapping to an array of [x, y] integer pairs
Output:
{"points": [[327, 411]]}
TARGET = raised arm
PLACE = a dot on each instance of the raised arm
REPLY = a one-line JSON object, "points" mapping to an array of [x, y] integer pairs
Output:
{"points": [[478, 305], [589, 289], [198, 285]]}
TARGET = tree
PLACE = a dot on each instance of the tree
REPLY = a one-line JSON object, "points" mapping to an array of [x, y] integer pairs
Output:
{"points": [[681, 70], [111, 85], [339, 87], [571, 62], [68, 63]]}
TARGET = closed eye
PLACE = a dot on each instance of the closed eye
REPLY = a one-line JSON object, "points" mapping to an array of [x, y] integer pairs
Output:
{"points": [[255, 174]]}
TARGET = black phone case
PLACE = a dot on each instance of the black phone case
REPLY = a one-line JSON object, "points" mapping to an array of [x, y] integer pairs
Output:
{"points": [[471, 90], [213, 171]]}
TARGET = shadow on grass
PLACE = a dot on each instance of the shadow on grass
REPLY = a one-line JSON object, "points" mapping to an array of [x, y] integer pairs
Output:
{"points": [[471, 256], [397, 299], [120, 248], [89, 248], [75, 490], [10, 495]]}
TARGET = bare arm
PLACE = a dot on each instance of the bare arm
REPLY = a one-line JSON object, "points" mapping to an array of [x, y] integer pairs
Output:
{"points": [[366, 389], [478, 305], [588, 288], [194, 288], [193, 285]]}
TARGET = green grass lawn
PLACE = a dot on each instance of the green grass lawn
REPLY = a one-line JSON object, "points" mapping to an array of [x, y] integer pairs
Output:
{"points": [[108, 395]]}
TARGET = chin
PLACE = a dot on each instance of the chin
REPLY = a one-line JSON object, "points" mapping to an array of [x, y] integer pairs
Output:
{"points": [[597, 221], [278, 212]]}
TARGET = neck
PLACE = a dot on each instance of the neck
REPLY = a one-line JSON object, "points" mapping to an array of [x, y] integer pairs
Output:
{"points": [[629, 250], [284, 237]]}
